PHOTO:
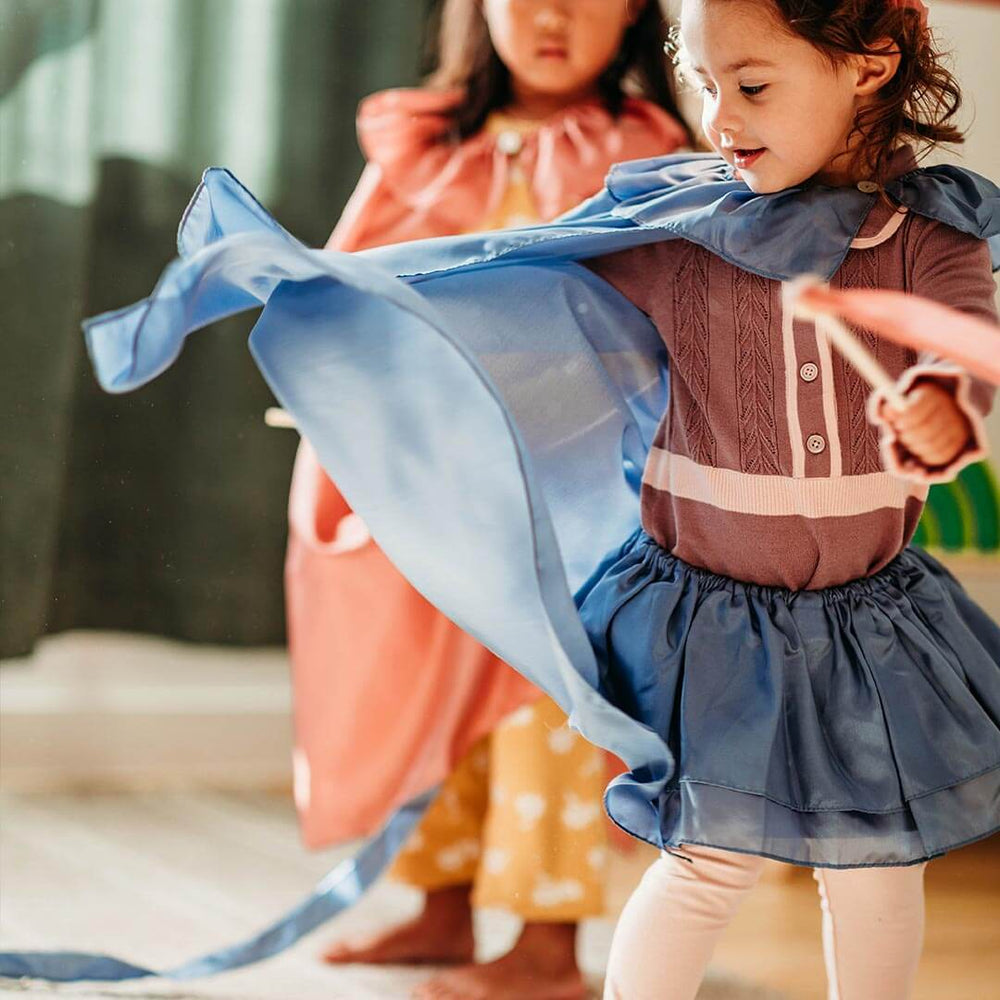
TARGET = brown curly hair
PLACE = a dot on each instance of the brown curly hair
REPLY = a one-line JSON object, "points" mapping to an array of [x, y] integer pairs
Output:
{"points": [[918, 104]]}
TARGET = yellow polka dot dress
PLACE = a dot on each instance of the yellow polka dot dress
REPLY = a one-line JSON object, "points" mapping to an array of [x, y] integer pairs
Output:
{"points": [[519, 819]]}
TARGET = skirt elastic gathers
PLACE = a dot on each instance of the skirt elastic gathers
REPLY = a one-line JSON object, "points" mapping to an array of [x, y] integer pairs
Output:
{"points": [[847, 727]]}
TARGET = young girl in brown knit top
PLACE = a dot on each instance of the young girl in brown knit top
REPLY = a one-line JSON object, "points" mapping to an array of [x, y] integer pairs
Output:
{"points": [[766, 470], [782, 674]]}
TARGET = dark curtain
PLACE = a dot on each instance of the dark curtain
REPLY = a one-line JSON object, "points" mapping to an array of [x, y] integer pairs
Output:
{"points": [[162, 511]]}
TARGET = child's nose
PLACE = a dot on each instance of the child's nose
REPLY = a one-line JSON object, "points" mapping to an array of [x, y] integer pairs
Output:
{"points": [[719, 116], [552, 15]]}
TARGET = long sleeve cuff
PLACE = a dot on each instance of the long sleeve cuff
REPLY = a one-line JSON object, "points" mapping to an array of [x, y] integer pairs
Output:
{"points": [[896, 458]]}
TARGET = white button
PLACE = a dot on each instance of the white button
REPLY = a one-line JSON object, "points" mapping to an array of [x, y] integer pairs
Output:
{"points": [[510, 142], [809, 371], [815, 443], [867, 187]]}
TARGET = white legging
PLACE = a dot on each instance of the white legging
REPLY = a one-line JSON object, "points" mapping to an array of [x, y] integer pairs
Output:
{"points": [[873, 926]]}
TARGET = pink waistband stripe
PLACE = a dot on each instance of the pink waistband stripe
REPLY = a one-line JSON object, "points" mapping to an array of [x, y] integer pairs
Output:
{"points": [[777, 496]]}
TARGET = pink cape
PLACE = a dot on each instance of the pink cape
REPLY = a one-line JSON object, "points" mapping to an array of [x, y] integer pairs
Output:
{"points": [[918, 323], [388, 693]]}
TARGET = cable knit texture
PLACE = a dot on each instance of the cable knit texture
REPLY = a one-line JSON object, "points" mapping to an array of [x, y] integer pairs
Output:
{"points": [[755, 373], [691, 353], [859, 270], [767, 466]]}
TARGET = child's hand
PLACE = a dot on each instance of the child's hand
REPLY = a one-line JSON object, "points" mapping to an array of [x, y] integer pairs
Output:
{"points": [[933, 427]]}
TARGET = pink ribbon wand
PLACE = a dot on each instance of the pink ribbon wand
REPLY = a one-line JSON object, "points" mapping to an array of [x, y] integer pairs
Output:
{"points": [[914, 322], [844, 341]]}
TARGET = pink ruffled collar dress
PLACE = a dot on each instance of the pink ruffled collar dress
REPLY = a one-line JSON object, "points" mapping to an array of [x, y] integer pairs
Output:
{"points": [[388, 693]]}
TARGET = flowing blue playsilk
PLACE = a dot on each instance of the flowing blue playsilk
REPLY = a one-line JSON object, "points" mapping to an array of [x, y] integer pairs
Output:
{"points": [[485, 402]]}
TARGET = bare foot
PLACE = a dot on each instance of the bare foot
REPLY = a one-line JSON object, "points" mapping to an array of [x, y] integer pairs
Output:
{"points": [[440, 935], [541, 966]]}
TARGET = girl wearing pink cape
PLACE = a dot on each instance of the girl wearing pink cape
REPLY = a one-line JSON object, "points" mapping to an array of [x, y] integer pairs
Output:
{"points": [[521, 122]]}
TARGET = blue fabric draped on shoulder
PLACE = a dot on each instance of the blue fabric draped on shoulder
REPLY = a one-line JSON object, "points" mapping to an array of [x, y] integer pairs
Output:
{"points": [[493, 489], [485, 402]]}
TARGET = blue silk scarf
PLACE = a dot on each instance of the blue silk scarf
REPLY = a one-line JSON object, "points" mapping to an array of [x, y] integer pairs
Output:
{"points": [[486, 403]]}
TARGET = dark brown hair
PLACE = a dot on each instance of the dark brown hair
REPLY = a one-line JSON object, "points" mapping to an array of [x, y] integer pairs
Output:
{"points": [[462, 56], [918, 104]]}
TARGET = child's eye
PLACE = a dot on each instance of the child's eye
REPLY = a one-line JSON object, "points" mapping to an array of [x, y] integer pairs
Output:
{"points": [[752, 91], [706, 89]]}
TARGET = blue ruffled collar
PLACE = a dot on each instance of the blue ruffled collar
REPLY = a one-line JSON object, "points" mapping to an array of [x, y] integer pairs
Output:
{"points": [[690, 196], [805, 228]]}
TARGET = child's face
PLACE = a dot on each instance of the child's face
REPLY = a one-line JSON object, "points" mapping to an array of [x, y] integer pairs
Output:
{"points": [[773, 105], [557, 47]]}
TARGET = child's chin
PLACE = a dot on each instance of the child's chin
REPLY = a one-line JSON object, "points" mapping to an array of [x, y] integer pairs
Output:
{"points": [[761, 185], [757, 184]]}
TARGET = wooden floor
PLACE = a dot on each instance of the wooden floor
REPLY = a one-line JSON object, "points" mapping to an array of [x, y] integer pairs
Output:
{"points": [[159, 878]]}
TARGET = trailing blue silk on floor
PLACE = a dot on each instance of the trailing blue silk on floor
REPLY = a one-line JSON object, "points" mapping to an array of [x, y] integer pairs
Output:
{"points": [[485, 402]]}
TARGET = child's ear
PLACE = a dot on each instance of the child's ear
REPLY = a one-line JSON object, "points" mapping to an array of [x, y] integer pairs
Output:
{"points": [[874, 71]]}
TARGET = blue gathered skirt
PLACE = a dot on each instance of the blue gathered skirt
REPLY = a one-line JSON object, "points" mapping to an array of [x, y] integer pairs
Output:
{"points": [[857, 725]]}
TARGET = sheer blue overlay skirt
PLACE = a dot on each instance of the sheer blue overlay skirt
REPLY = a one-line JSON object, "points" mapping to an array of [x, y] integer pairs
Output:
{"points": [[851, 726]]}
